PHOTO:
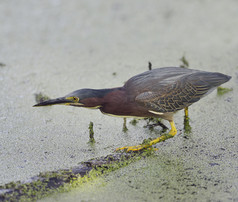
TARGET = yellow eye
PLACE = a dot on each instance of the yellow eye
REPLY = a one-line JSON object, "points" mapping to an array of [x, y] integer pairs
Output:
{"points": [[75, 99]]}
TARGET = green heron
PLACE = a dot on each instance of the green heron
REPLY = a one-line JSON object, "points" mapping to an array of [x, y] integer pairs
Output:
{"points": [[157, 93]]}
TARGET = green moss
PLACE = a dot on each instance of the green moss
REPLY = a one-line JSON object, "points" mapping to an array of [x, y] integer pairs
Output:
{"points": [[2, 64], [40, 97], [43, 185], [104, 169], [91, 133], [124, 129], [153, 122], [222, 91], [187, 127], [146, 141], [185, 63], [134, 122], [150, 66], [65, 180]]}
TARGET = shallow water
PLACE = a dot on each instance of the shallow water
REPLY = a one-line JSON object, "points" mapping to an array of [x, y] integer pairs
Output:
{"points": [[56, 47]]}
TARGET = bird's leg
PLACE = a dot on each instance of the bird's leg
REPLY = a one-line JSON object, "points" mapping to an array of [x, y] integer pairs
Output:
{"points": [[164, 137], [186, 112], [173, 130]]}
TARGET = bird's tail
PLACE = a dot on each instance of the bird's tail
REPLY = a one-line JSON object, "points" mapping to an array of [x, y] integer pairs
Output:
{"points": [[214, 79]]}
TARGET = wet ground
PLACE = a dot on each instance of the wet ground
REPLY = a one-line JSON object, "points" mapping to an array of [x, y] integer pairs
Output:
{"points": [[55, 47]]}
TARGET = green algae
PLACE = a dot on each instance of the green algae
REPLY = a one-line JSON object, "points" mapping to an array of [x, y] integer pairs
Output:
{"points": [[2, 64], [65, 180], [187, 127], [40, 97], [153, 122], [150, 65], [185, 63], [91, 133], [133, 122], [124, 129], [222, 90]]}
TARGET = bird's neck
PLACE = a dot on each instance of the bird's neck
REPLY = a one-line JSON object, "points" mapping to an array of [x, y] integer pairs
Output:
{"points": [[99, 97]]}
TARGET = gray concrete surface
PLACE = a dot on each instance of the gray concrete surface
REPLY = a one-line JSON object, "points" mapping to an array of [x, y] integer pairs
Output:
{"points": [[56, 46]]}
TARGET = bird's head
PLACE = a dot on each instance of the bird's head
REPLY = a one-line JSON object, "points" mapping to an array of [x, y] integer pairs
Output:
{"points": [[80, 98]]}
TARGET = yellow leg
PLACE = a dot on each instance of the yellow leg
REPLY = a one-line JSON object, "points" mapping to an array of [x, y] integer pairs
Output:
{"points": [[172, 133], [186, 111], [173, 130]]}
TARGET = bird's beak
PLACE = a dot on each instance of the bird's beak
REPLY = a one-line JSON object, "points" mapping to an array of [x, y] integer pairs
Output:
{"points": [[57, 101]]}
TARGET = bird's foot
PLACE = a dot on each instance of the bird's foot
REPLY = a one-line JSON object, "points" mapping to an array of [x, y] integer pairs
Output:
{"points": [[173, 130], [146, 144]]}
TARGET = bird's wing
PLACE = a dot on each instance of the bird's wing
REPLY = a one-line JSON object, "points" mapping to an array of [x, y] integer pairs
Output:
{"points": [[175, 95], [155, 79]]}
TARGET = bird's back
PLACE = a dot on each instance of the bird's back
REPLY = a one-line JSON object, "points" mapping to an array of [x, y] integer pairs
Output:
{"points": [[161, 77], [172, 88], [156, 78]]}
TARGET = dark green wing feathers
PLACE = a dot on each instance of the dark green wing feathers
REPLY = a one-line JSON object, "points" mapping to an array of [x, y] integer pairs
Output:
{"points": [[173, 97], [173, 91]]}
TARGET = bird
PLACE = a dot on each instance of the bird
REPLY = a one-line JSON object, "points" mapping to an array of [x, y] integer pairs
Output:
{"points": [[157, 93]]}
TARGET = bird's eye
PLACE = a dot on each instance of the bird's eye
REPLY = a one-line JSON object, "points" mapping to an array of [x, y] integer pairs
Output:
{"points": [[75, 99]]}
